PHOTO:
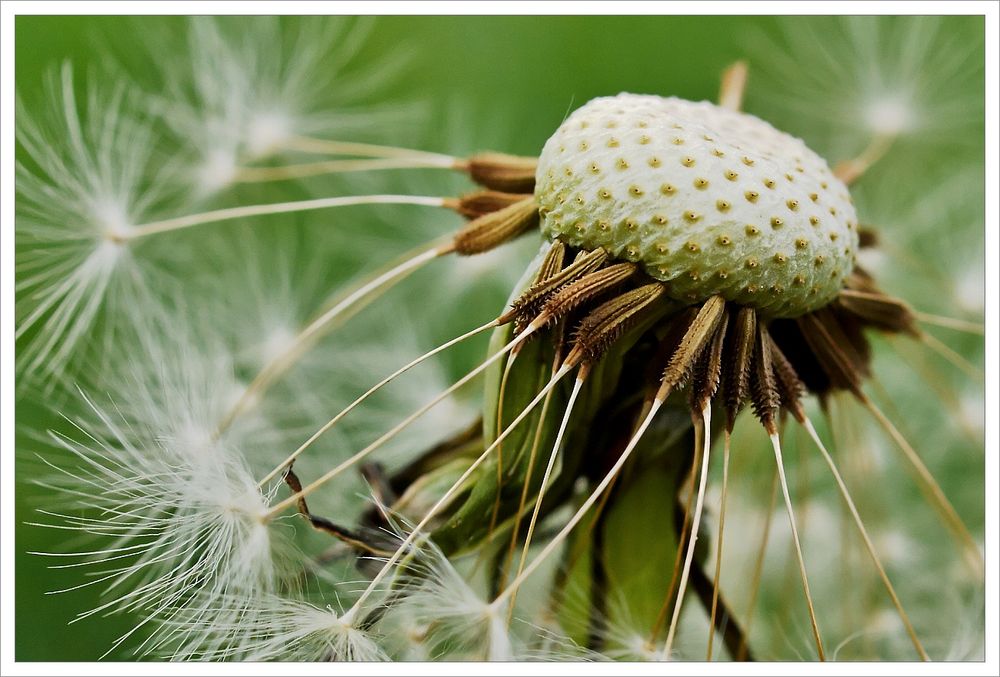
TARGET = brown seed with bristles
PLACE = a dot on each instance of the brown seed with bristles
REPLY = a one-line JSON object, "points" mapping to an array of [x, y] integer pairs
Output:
{"points": [[879, 310], [555, 259], [552, 264], [605, 324], [696, 338], [496, 228], [527, 305], [708, 371], [832, 351], [508, 173], [584, 289], [790, 386], [763, 386], [867, 238], [739, 359], [482, 202]]}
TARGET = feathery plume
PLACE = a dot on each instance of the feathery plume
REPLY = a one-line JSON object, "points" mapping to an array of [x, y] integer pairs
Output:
{"points": [[87, 176], [882, 77], [253, 87], [177, 512], [441, 610], [269, 627]]}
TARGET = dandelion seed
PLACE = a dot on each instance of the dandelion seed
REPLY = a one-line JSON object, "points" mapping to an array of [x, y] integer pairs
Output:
{"points": [[249, 90], [186, 517], [77, 201], [889, 78], [453, 621], [72, 288], [268, 627], [180, 510]]}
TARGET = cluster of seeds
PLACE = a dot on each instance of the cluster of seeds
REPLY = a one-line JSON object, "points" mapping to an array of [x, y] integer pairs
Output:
{"points": [[706, 199]]}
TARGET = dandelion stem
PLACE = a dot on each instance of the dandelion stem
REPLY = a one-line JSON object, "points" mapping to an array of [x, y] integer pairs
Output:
{"points": [[758, 571], [378, 386], [577, 386], [798, 548], [734, 83], [864, 535], [727, 437], [954, 358], [306, 169], [932, 490], [501, 396], [951, 323], [348, 617], [341, 309], [934, 379], [230, 213], [682, 534], [790, 563], [851, 170], [575, 519], [529, 471], [330, 147], [706, 417], [291, 500]]}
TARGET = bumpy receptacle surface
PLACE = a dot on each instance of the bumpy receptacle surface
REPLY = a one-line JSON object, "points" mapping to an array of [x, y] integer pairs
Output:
{"points": [[708, 200]]}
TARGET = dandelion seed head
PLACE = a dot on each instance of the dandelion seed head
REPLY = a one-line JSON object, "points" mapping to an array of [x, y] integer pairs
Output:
{"points": [[193, 551], [694, 229]]}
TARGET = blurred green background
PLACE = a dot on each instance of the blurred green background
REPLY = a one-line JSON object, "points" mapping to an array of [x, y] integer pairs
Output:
{"points": [[515, 76]]}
